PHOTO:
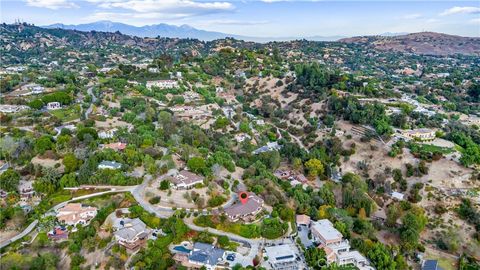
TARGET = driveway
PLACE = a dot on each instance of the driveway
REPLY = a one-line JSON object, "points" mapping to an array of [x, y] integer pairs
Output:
{"points": [[58, 206]]}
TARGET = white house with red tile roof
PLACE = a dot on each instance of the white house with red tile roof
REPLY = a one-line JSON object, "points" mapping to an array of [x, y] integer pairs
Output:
{"points": [[76, 213]]}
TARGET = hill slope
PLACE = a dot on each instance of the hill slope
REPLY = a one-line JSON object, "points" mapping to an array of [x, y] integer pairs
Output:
{"points": [[428, 43]]}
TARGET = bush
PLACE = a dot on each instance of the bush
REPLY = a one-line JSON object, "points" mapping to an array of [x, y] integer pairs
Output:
{"points": [[216, 201], [154, 200]]}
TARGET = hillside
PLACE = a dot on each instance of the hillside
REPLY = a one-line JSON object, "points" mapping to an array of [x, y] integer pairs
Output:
{"points": [[427, 43]]}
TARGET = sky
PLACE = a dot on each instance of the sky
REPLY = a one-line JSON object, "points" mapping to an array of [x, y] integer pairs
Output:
{"points": [[261, 18]]}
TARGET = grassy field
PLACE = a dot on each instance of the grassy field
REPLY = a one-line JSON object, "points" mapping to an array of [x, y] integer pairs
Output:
{"points": [[67, 114], [446, 262], [420, 147]]}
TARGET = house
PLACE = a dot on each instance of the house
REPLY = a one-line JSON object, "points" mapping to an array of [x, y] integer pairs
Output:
{"points": [[162, 84], [247, 210], [105, 70], [206, 255], [5, 108], [283, 174], [25, 189], [190, 96], [53, 106], [153, 70], [190, 113], [229, 112], [185, 180], [271, 146], [293, 177], [16, 69], [107, 134], [397, 195], [336, 248], [260, 122], [58, 233], [422, 134], [431, 265], [302, 220], [240, 74], [299, 177], [242, 137], [324, 233], [34, 88], [281, 257], [68, 127], [75, 213], [131, 233], [112, 165], [118, 146]]}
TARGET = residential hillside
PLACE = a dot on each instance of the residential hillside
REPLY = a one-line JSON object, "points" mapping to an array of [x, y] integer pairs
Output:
{"points": [[427, 43]]}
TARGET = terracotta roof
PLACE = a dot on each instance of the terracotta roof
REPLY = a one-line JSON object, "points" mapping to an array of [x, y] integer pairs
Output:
{"points": [[303, 219], [73, 212], [116, 146]]}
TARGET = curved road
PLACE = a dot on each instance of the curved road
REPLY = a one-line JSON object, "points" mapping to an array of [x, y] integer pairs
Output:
{"points": [[56, 207], [161, 212], [94, 99]]}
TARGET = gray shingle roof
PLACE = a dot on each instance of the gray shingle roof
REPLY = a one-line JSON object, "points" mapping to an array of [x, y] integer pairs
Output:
{"points": [[206, 254]]}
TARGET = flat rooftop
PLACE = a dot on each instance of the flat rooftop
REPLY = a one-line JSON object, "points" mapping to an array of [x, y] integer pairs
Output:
{"points": [[280, 253], [325, 228]]}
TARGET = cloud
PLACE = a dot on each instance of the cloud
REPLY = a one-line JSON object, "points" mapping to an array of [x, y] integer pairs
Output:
{"points": [[461, 10], [51, 4], [132, 17], [277, 1], [475, 21], [412, 16], [169, 6], [236, 22]]}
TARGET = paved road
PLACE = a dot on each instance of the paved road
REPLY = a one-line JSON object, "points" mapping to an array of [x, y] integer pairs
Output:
{"points": [[94, 99], [164, 211], [50, 212], [20, 235], [295, 138]]}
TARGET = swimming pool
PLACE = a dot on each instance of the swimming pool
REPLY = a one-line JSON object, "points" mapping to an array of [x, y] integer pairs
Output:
{"points": [[182, 249]]}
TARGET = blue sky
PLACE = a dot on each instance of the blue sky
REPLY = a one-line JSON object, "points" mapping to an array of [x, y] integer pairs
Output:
{"points": [[263, 18]]}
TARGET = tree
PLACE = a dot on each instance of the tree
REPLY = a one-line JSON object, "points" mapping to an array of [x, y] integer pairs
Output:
{"points": [[413, 222], [196, 164], [36, 104], [9, 180], [393, 213], [314, 167], [68, 180], [81, 134], [70, 162], [164, 185], [316, 257], [43, 144], [221, 123], [223, 241]]}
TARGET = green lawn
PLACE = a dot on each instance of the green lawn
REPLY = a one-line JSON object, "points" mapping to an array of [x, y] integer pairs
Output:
{"points": [[67, 114], [446, 262], [434, 148], [421, 147]]}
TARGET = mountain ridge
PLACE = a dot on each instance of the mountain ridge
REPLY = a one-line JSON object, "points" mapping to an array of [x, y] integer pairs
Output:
{"points": [[173, 31]]}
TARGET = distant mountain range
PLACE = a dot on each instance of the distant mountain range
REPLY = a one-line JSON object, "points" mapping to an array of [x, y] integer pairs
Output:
{"points": [[173, 31]]}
